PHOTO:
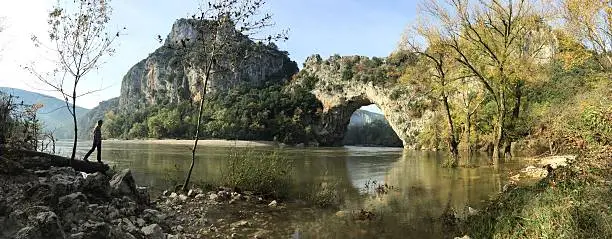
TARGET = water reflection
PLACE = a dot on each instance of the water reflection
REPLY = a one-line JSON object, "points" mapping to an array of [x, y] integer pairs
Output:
{"points": [[422, 188]]}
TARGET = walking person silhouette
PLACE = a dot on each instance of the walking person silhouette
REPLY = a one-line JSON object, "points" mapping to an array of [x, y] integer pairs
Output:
{"points": [[97, 142]]}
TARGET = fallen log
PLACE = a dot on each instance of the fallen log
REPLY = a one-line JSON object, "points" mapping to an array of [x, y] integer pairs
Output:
{"points": [[39, 160]]}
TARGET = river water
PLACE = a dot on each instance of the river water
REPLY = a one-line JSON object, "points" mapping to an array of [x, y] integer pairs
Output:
{"points": [[421, 187]]}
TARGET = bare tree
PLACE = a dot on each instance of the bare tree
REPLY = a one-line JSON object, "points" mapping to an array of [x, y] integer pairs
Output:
{"points": [[48, 140], [472, 98], [79, 39], [493, 40], [440, 72], [591, 23], [224, 27]]}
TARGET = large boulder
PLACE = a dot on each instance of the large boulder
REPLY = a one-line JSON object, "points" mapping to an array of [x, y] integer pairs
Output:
{"points": [[153, 231], [49, 225], [153, 215], [62, 184], [43, 225], [72, 199], [97, 184], [73, 208], [123, 184], [28, 233], [10, 167], [96, 230]]}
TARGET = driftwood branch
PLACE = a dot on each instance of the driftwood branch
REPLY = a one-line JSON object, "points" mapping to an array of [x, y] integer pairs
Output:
{"points": [[47, 160]]}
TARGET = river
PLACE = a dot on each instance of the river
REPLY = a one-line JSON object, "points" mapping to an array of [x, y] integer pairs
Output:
{"points": [[421, 187]]}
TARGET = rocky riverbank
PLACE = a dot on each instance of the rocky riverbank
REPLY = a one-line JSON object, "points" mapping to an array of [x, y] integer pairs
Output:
{"points": [[42, 201], [570, 199], [228, 213], [37, 201]]}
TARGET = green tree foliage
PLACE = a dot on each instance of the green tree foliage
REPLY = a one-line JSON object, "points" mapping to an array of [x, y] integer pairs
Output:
{"points": [[376, 133], [19, 126], [138, 131], [499, 42], [520, 70], [267, 113], [591, 23]]}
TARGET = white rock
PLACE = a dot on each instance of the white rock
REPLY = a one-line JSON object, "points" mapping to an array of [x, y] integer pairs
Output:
{"points": [[183, 197], [240, 223], [342, 213], [178, 228], [153, 231], [273, 203], [213, 197], [472, 211], [140, 222], [463, 237], [557, 161]]}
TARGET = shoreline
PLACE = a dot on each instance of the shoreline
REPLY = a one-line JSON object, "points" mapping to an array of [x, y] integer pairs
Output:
{"points": [[204, 142]]}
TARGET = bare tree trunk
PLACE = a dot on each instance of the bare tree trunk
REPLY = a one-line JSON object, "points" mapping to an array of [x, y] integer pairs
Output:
{"points": [[195, 145], [467, 132], [452, 139], [499, 127], [74, 121], [516, 109], [197, 134], [52, 142]]}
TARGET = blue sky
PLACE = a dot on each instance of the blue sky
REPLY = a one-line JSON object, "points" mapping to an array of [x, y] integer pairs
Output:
{"points": [[326, 27]]}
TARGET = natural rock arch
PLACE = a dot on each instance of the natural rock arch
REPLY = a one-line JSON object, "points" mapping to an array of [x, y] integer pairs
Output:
{"points": [[344, 84]]}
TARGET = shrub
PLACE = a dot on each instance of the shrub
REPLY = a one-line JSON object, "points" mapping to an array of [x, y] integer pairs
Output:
{"points": [[597, 124], [323, 195], [264, 173]]}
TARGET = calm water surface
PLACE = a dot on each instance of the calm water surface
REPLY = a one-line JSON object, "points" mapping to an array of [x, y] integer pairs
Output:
{"points": [[422, 187]]}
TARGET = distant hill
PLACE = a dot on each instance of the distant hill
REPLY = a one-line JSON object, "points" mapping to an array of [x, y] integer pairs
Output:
{"points": [[53, 114]]}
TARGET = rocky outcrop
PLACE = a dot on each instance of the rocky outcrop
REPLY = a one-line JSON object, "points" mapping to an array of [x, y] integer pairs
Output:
{"points": [[59, 202], [344, 84], [172, 73]]}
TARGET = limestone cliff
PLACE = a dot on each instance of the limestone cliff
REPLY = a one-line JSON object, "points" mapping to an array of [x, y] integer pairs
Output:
{"points": [[171, 73], [170, 76], [344, 84]]}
